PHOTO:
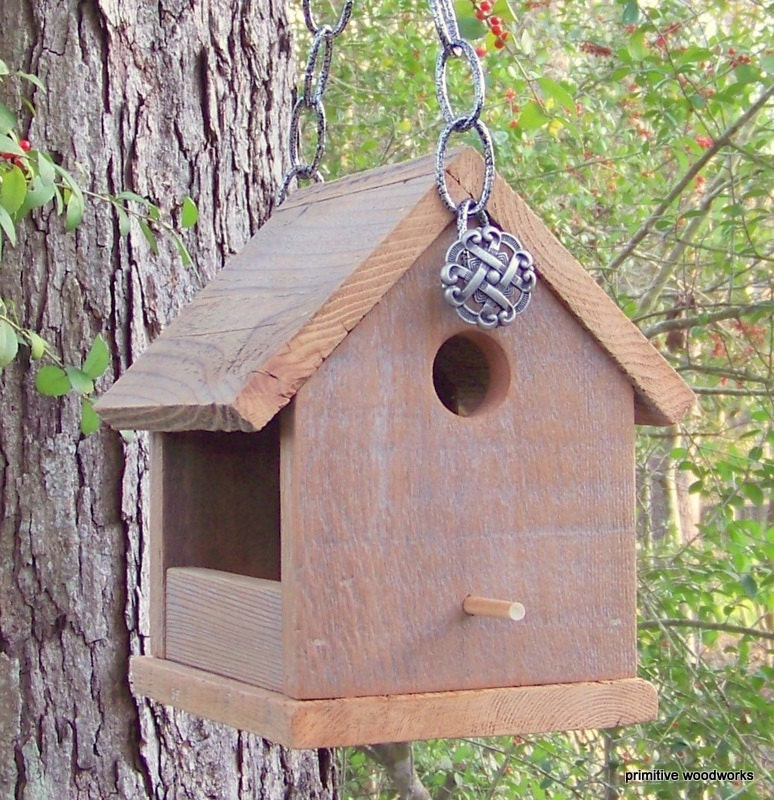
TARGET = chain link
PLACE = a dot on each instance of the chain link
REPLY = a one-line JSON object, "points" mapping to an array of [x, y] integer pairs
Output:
{"points": [[454, 46], [310, 102], [487, 276]]}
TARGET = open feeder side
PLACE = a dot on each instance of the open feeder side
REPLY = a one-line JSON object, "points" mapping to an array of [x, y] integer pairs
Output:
{"points": [[373, 522]]}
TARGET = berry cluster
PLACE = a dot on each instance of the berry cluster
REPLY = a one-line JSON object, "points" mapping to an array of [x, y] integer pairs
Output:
{"points": [[594, 49], [738, 58], [13, 158], [484, 13]]}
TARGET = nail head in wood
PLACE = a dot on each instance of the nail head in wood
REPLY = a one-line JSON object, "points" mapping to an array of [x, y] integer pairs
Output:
{"points": [[489, 607]]}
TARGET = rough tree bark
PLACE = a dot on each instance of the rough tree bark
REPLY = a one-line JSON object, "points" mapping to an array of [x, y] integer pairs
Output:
{"points": [[164, 98]]}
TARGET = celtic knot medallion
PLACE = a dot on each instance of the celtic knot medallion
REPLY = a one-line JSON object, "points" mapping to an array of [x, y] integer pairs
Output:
{"points": [[488, 277]]}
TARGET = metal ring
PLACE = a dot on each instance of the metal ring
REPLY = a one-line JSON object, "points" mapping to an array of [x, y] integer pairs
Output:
{"points": [[445, 22], [308, 169], [346, 13], [440, 156], [441, 88], [464, 214], [298, 171], [324, 36]]}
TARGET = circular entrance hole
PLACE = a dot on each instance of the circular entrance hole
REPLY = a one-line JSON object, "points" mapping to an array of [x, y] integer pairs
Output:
{"points": [[470, 374]]}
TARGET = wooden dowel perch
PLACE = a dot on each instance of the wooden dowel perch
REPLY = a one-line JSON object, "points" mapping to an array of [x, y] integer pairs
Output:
{"points": [[489, 607]]}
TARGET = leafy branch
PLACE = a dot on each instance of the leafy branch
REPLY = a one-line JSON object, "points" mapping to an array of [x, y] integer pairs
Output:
{"points": [[690, 174], [700, 625], [31, 179]]}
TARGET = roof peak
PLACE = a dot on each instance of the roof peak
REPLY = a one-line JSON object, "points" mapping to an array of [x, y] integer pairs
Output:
{"points": [[244, 346]]}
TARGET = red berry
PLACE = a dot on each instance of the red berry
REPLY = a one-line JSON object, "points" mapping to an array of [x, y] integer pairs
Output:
{"points": [[481, 14], [25, 145], [481, 51], [485, 5], [495, 21], [497, 30], [499, 43]]}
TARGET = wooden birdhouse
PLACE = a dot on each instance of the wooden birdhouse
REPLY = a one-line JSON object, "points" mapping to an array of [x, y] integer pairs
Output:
{"points": [[374, 522]]}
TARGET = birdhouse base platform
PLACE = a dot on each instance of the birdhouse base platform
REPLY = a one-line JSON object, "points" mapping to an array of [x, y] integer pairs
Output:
{"points": [[342, 722]]}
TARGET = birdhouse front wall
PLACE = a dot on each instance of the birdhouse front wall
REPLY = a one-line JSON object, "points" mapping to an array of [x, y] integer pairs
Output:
{"points": [[395, 507]]}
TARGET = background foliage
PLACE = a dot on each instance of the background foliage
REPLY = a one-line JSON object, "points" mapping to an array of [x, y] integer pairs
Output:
{"points": [[641, 132]]}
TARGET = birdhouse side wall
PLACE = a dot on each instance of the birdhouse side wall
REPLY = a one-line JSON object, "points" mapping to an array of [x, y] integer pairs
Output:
{"points": [[394, 508]]}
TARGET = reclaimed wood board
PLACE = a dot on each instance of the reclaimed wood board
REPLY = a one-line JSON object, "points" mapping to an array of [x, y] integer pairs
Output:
{"points": [[242, 349], [370, 720], [227, 624], [415, 507]]}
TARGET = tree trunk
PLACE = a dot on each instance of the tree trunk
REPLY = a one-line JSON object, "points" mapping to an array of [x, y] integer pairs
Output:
{"points": [[166, 99]]}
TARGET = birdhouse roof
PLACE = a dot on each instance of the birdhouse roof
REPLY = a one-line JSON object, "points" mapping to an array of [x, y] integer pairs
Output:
{"points": [[241, 350]]}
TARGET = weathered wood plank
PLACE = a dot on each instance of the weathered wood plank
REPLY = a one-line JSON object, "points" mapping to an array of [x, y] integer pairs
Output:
{"points": [[363, 720], [662, 397], [242, 348], [248, 342], [415, 507], [227, 624]]}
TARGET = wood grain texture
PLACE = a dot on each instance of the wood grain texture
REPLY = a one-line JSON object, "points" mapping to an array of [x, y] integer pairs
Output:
{"points": [[406, 508], [243, 347], [157, 537], [214, 504], [241, 350], [227, 624], [661, 395], [369, 720], [221, 501]]}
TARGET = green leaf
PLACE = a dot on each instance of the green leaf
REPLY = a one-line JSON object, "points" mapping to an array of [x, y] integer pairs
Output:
{"points": [[124, 224], [532, 117], [150, 237], [470, 27], [52, 381], [9, 344], [7, 225], [502, 8], [8, 120], [37, 345], [189, 213], [33, 79], [3, 68], [185, 256], [637, 47], [9, 145], [555, 91], [79, 380], [89, 418], [46, 168], [754, 493], [74, 209], [749, 585], [137, 198], [38, 194], [13, 190], [98, 358], [631, 12]]}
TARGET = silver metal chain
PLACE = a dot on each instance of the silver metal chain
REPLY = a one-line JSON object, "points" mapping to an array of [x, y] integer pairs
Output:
{"points": [[454, 46], [310, 101], [488, 277]]}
